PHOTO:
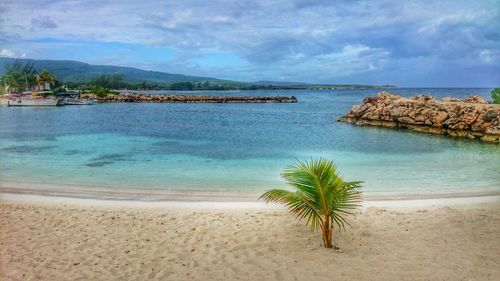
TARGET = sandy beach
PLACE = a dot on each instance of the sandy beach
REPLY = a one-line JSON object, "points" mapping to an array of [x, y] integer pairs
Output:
{"points": [[64, 240], [180, 140]]}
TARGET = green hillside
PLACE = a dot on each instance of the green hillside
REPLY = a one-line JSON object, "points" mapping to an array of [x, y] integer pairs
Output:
{"points": [[74, 71], [83, 75]]}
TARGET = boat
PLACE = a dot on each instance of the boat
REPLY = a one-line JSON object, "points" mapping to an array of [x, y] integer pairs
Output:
{"points": [[34, 101], [75, 101]]}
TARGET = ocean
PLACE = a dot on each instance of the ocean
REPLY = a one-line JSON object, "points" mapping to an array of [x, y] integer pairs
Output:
{"points": [[235, 149]]}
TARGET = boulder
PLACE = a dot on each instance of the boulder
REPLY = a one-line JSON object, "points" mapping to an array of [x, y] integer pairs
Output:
{"points": [[438, 116], [476, 99], [491, 115], [471, 118]]}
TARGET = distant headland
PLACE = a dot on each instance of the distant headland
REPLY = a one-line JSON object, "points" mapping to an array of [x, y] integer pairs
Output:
{"points": [[79, 75]]}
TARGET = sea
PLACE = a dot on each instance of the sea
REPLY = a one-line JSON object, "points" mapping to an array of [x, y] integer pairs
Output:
{"points": [[234, 150]]}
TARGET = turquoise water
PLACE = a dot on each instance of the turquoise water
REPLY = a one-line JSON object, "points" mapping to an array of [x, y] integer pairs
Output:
{"points": [[234, 148]]}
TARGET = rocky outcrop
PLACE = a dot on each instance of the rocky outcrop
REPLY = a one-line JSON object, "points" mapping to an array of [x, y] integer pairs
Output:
{"points": [[471, 118], [187, 99]]}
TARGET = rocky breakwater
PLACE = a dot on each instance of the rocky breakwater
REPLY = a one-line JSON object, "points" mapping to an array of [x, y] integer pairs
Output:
{"points": [[472, 118], [188, 98]]}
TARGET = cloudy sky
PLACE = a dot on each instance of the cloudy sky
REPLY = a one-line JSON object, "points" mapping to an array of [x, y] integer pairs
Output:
{"points": [[405, 43]]}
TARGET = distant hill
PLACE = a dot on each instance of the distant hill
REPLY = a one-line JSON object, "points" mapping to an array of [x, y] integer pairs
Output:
{"points": [[276, 83], [75, 71]]}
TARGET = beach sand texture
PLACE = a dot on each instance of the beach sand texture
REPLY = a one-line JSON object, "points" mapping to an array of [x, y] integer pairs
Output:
{"points": [[57, 242]]}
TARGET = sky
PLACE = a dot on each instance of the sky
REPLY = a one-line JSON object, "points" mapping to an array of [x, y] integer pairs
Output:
{"points": [[388, 42]]}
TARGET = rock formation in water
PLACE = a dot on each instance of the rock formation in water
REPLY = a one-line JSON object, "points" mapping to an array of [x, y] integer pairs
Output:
{"points": [[187, 99], [473, 118]]}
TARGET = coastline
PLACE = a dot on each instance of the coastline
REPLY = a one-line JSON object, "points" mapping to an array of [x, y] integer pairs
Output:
{"points": [[236, 203], [157, 195], [53, 238]]}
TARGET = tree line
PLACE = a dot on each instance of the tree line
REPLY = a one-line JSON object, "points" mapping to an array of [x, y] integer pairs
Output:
{"points": [[19, 77]]}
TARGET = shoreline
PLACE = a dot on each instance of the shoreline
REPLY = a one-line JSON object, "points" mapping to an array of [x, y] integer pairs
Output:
{"points": [[148, 196], [236, 203]]}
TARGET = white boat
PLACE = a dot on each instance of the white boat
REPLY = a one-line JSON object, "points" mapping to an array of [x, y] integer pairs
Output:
{"points": [[73, 101], [29, 101]]}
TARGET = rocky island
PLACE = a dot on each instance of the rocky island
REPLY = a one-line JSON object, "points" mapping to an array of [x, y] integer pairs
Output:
{"points": [[187, 98], [472, 118]]}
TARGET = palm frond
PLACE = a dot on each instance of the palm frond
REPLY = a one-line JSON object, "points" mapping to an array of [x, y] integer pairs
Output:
{"points": [[345, 198], [298, 204]]}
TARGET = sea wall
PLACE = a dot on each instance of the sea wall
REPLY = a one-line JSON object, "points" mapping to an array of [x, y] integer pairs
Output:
{"points": [[187, 99], [472, 118]]}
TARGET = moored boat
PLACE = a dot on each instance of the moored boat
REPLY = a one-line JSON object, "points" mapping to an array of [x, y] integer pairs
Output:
{"points": [[74, 101], [30, 101]]}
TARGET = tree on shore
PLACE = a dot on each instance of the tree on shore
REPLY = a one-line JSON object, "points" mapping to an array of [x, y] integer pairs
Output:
{"points": [[12, 81], [18, 76], [45, 77], [322, 197], [102, 92], [495, 95]]}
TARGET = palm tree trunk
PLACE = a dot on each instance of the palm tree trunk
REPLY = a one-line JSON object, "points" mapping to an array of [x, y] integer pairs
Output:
{"points": [[327, 230]]}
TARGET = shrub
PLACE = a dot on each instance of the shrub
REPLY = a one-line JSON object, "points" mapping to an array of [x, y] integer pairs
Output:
{"points": [[102, 92], [495, 95]]}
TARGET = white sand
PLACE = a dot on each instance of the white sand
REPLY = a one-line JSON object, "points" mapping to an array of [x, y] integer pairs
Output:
{"points": [[61, 239]]}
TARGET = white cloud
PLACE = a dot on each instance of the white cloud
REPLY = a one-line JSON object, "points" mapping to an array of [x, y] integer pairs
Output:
{"points": [[352, 59], [7, 53], [354, 49]]}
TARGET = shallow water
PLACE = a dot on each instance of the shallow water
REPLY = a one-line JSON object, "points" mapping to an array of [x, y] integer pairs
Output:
{"points": [[235, 148]]}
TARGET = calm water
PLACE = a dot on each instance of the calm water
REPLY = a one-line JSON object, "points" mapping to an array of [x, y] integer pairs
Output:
{"points": [[235, 148]]}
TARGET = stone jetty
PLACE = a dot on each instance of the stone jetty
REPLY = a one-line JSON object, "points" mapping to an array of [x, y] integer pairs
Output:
{"points": [[187, 98], [472, 118]]}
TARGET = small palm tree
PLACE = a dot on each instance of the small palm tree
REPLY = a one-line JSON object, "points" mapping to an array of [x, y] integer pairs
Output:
{"points": [[323, 198]]}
